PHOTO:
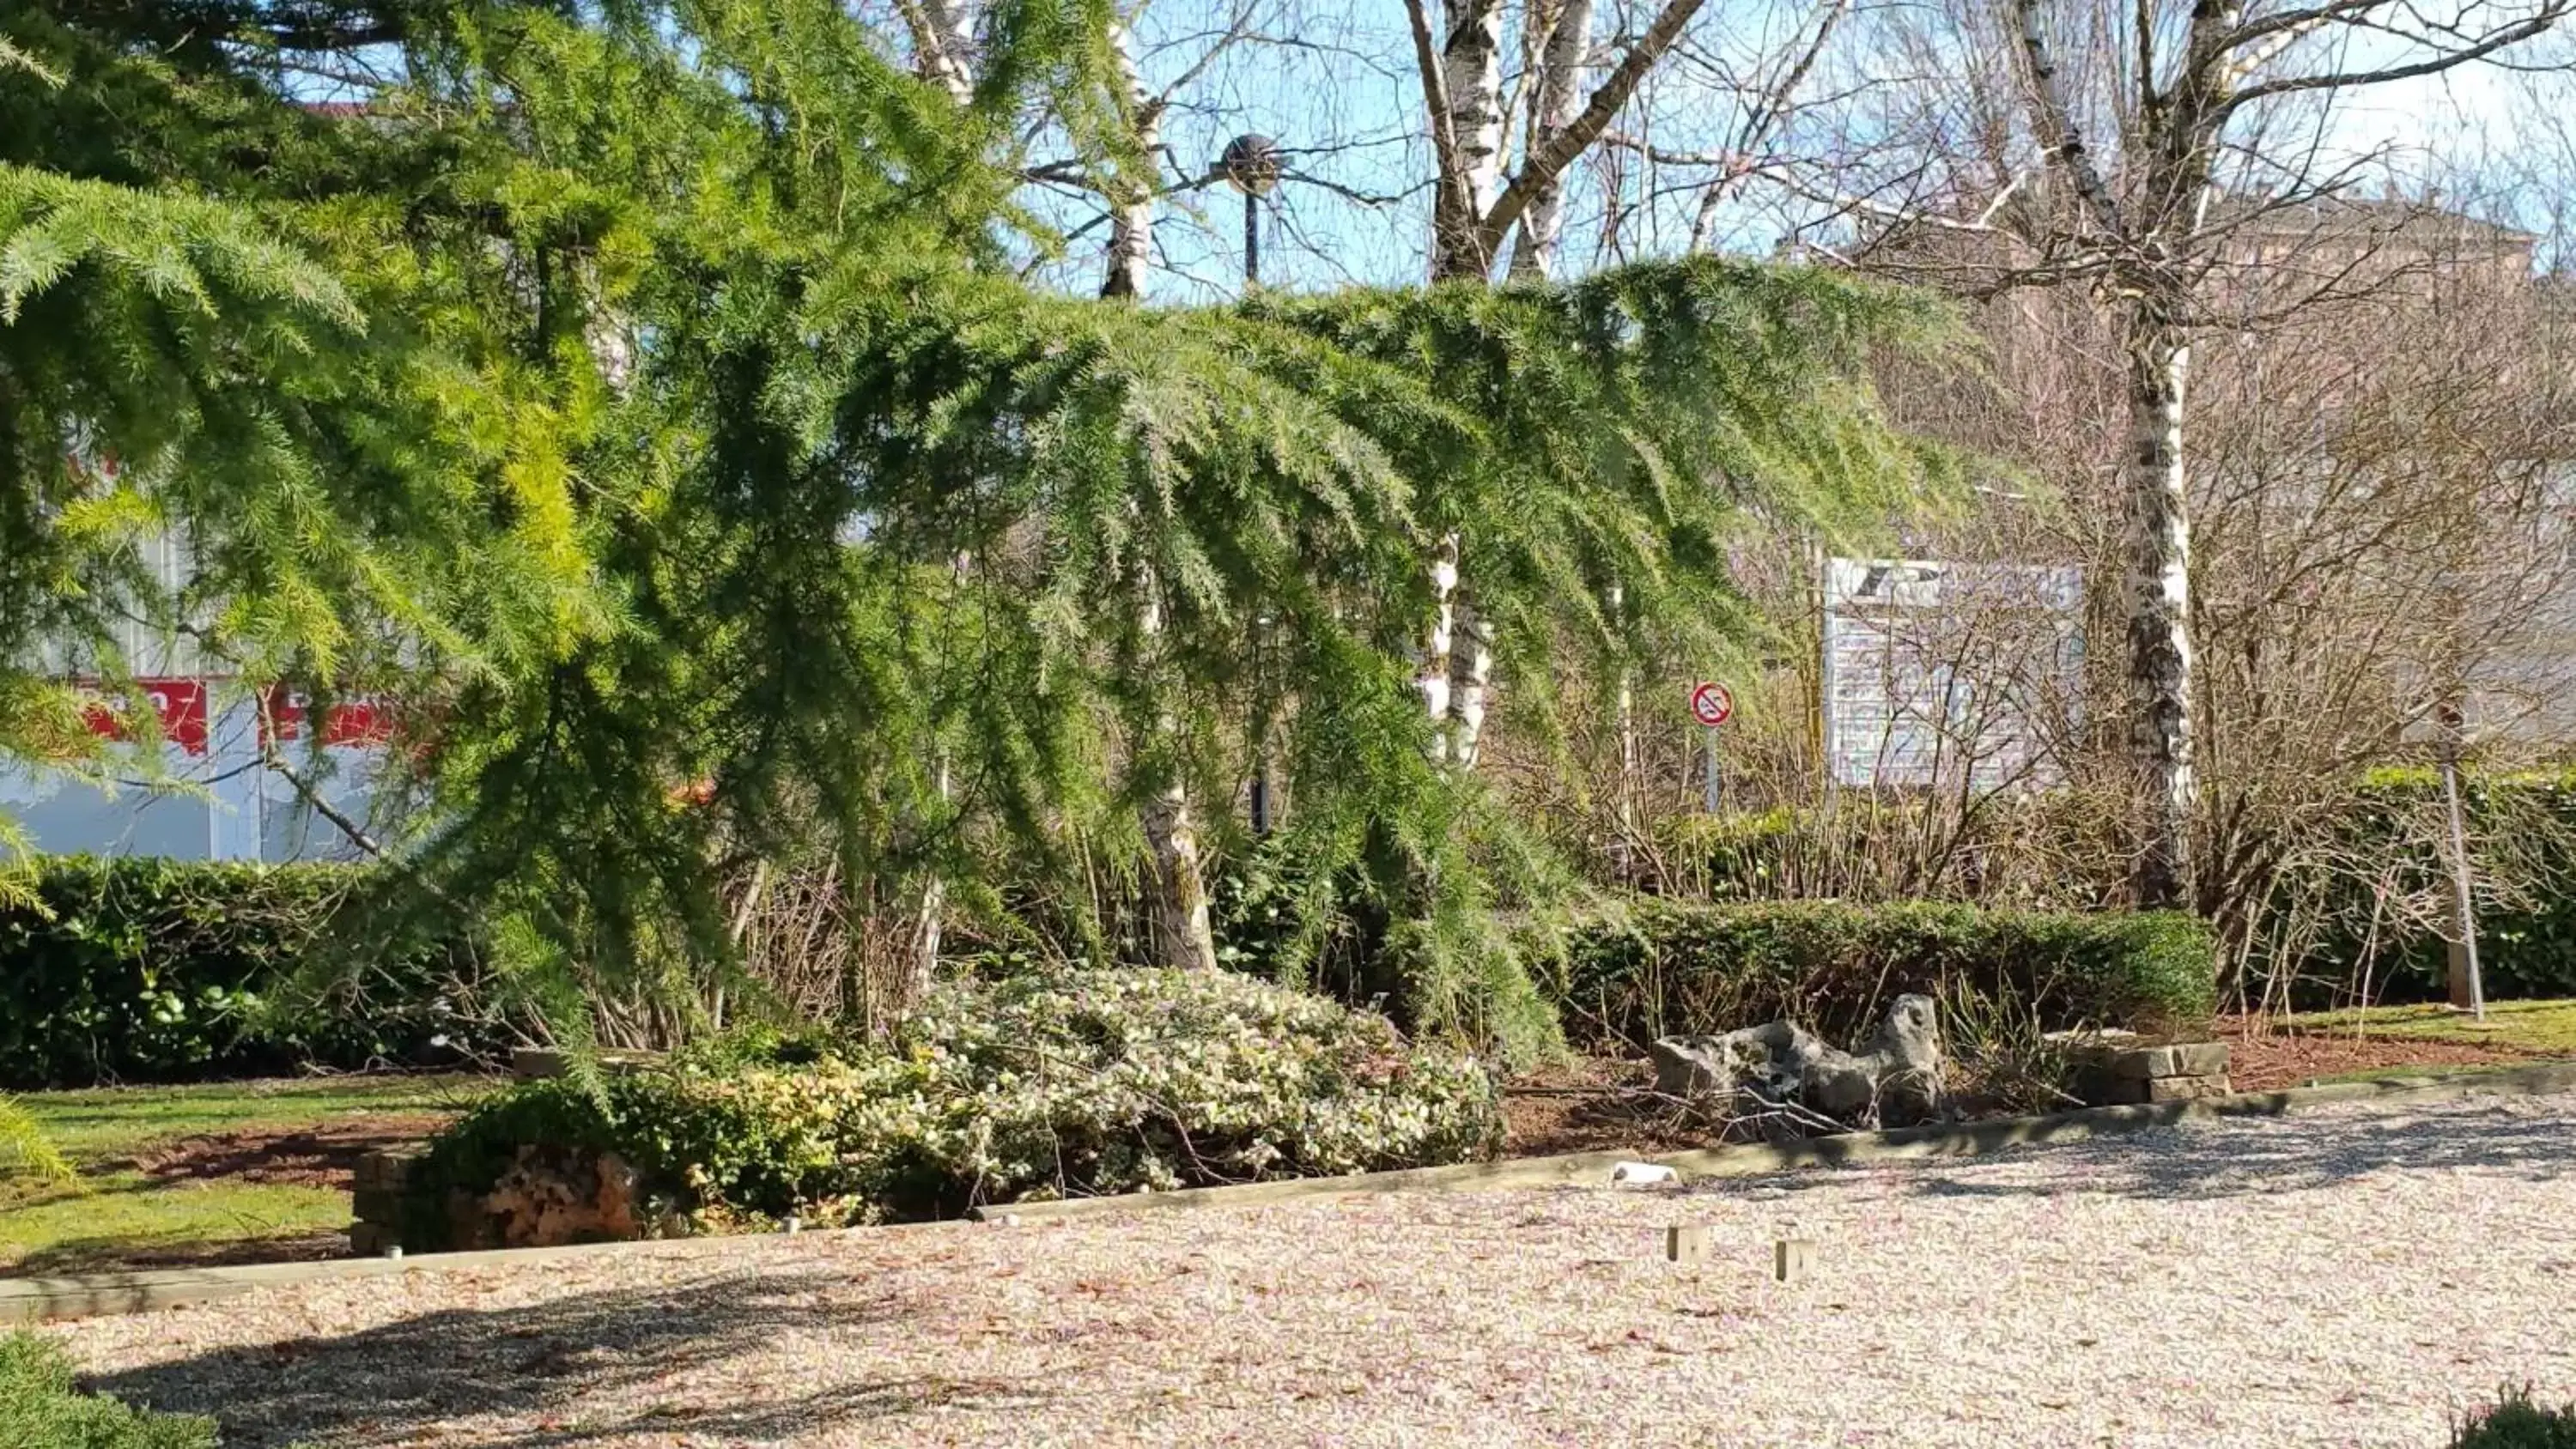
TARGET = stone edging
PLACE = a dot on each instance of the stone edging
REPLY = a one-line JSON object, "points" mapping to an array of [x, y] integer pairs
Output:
{"points": [[37, 1300]]}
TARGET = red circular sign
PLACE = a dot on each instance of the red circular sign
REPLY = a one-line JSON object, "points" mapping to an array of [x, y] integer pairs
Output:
{"points": [[1712, 705]]}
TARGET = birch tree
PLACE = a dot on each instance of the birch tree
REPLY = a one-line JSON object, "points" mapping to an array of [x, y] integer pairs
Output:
{"points": [[1481, 197], [1117, 157], [1570, 94], [2123, 149]]}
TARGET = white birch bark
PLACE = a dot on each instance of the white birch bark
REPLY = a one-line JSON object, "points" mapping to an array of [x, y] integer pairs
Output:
{"points": [[940, 45], [1623, 727], [1471, 671], [1131, 205], [1471, 75], [1183, 934], [2158, 602], [1431, 678], [1559, 102], [929, 917]]}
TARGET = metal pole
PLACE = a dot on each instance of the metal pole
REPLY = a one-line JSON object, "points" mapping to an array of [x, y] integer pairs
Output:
{"points": [[2463, 913], [1251, 241], [1712, 769]]}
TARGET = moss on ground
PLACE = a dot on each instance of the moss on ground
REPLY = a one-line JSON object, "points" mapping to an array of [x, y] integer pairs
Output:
{"points": [[2544, 1027]]}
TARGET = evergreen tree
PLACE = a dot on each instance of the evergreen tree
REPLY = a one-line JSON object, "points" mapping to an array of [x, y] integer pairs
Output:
{"points": [[625, 389]]}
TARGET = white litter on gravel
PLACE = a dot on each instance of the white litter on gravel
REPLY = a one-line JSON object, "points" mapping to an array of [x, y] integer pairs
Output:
{"points": [[2349, 1277]]}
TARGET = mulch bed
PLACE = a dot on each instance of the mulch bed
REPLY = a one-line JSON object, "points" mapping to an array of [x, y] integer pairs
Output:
{"points": [[2269, 1061], [1587, 1105]]}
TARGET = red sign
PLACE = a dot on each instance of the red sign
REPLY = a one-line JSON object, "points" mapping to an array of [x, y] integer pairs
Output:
{"points": [[1712, 705], [181, 705], [362, 720]]}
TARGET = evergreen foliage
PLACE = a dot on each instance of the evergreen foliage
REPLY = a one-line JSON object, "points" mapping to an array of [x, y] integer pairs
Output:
{"points": [[2517, 1421], [41, 1408], [640, 392]]}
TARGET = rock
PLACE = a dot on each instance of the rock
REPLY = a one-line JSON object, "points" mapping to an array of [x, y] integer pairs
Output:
{"points": [[2186, 1089], [1686, 1066], [2083, 1036], [387, 1169], [2196, 1059], [2106, 1073], [1897, 1080], [1641, 1174], [532, 1064]]}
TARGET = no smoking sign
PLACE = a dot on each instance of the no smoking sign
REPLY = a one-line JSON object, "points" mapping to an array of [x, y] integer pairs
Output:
{"points": [[1711, 704]]}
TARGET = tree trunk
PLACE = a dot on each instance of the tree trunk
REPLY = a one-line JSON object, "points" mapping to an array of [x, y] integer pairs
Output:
{"points": [[1433, 677], [1187, 940], [2159, 601], [1471, 670], [941, 44], [1560, 100], [1623, 728], [1131, 208], [930, 914], [1471, 72], [1184, 936]]}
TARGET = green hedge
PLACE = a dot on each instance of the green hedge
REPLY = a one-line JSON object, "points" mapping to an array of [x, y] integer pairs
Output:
{"points": [[147, 970], [2526, 948], [41, 1409], [1660, 967], [1046, 1084]]}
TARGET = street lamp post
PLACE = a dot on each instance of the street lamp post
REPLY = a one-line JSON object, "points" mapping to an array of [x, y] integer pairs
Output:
{"points": [[1251, 166]]}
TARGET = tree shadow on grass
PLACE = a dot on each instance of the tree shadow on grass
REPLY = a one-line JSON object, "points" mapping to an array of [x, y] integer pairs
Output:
{"points": [[2242, 1156], [576, 1370], [128, 1252]]}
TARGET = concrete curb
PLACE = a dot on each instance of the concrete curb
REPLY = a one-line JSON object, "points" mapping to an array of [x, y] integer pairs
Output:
{"points": [[1905, 1144], [40, 1300]]}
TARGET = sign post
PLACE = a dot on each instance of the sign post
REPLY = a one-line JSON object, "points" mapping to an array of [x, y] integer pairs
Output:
{"points": [[1712, 705]]}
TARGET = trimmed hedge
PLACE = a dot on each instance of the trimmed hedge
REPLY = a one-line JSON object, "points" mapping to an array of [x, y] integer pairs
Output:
{"points": [[2525, 951], [138, 969], [41, 1409], [1662, 967], [1046, 1084]]}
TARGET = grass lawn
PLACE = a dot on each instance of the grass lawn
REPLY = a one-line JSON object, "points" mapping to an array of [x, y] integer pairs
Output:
{"points": [[2545, 1027], [259, 1161]]}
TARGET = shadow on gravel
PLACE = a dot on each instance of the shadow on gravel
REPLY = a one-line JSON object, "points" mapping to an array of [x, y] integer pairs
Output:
{"points": [[2246, 1156], [572, 1371]]}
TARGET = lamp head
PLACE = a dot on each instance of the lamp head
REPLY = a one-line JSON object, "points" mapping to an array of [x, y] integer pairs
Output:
{"points": [[1250, 164]]}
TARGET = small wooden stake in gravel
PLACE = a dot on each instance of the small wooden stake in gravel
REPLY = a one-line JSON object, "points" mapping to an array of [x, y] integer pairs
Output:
{"points": [[1686, 1245], [1792, 1259]]}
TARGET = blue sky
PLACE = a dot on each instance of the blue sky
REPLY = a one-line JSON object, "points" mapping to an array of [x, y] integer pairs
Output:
{"points": [[1334, 85]]}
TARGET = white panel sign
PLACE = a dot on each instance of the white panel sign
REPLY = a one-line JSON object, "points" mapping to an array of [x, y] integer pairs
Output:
{"points": [[1938, 674]]}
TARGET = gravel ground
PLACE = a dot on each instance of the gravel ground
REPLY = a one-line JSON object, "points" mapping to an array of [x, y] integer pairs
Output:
{"points": [[2351, 1277]]}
